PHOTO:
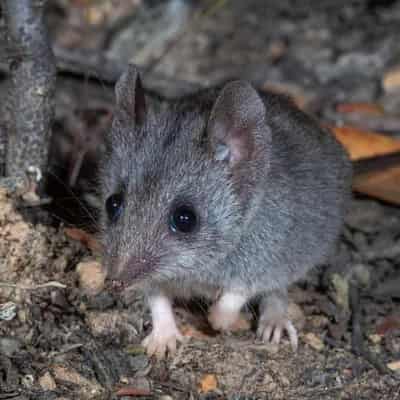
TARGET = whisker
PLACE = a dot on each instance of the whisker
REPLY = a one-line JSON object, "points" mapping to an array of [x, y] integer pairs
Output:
{"points": [[74, 196]]}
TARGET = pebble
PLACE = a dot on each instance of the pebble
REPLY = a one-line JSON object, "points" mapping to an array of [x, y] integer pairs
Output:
{"points": [[314, 341], [394, 365], [8, 311], [88, 389], [9, 346], [340, 292], [91, 276], [47, 382], [391, 79], [375, 338]]}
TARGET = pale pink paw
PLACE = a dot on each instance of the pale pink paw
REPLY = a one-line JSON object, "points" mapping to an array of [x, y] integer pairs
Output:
{"points": [[270, 331], [222, 319], [160, 342]]}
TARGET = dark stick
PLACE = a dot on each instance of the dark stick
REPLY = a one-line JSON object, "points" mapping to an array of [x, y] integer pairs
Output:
{"points": [[357, 340], [31, 96]]}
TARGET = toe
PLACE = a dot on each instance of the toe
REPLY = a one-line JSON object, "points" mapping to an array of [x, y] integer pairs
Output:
{"points": [[276, 339], [292, 333], [266, 336]]}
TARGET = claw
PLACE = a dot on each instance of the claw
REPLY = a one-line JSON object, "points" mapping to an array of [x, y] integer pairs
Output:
{"points": [[271, 331], [160, 343]]}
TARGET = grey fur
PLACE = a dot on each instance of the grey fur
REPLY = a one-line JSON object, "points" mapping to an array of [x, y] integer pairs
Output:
{"points": [[265, 219]]}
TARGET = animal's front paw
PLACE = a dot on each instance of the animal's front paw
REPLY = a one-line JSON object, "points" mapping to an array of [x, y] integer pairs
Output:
{"points": [[271, 330], [161, 341], [226, 311], [222, 319]]}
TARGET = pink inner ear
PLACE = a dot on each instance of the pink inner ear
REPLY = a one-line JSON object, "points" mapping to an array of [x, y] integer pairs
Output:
{"points": [[238, 150], [240, 143]]}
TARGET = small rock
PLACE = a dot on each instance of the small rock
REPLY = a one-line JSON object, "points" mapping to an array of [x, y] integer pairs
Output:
{"points": [[391, 79], [340, 292], [103, 323], [361, 273], [28, 380], [268, 383], [9, 346], [8, 311], [314, 341], [375, 339], [112, 323], [47, 382], [394, 365], [91, 277], [319, 321], [88, 389]]}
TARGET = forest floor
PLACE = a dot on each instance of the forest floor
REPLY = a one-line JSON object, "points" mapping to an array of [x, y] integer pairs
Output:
{"points": [[63, 336]]}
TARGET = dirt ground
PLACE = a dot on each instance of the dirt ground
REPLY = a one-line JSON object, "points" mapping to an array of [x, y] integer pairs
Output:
{"points": [[63, 336]]}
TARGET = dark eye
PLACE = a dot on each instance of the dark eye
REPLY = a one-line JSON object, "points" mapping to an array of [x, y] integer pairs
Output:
{"points": [[114, 206], [183, 219]]}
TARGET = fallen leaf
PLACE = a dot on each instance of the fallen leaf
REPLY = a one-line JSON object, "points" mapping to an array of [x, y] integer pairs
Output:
{"points": [[363, 144], [296, 93], [191, 332], [83, 237], [391, 79], [360, 108], [384, 185], [394, 365], [389, 324], [208, 383], [133, 391]]}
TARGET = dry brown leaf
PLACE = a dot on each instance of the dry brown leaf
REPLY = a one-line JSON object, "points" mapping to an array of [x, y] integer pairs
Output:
{"points": [[384, 185], [390, 323], [84, 237], [133, 391], [208, 383], [191, 332], [360, 108], [362, 144]]}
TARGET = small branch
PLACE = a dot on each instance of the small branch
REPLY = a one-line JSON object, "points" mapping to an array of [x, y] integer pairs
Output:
{"points": [[357, 340], [54, 284], [33, 84], [107, 70]]}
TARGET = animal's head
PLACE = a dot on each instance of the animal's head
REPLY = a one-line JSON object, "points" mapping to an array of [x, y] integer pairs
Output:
{"points": [[176, 182]]}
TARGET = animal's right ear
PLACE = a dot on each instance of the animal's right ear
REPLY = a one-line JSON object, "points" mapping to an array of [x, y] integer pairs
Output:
{"points": [[130, 96]]}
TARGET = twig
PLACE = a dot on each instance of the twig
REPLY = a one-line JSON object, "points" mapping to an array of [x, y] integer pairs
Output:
{"points": [[34, 287], [357, 340], [66, 349]]}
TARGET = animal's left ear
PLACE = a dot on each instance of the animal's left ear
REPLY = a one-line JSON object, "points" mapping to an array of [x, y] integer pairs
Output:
{"points": [[237, 116], [130, 96]]}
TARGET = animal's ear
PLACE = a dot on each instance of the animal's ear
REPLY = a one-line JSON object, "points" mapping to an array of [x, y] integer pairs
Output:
{"points": [[237, 116], [130, 96]]}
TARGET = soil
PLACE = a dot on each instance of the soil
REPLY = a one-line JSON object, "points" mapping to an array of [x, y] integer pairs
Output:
{"points": [[63, 336]]}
